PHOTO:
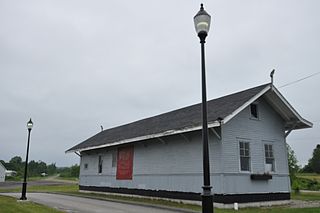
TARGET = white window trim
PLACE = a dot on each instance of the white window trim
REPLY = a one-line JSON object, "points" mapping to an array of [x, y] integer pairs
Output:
{"points": [[239, 158], [274, 156]]}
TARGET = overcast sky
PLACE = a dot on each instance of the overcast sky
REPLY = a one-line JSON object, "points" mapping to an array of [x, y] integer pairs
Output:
{"points": [[75, 65]]}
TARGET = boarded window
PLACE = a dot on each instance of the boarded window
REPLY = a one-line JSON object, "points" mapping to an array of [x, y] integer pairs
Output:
{"points": [[254, 111], [244, 148], [268, 152], [100, 164], [125, 163]]}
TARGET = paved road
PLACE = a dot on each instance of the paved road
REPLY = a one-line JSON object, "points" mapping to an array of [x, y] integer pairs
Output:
{"points": [[85, 205]]}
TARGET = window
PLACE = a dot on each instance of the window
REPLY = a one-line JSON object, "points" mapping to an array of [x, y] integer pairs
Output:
{"points": [[254, 111], [268, 152], [114, 158], [100, 164], [85, 166], [244, 156]]}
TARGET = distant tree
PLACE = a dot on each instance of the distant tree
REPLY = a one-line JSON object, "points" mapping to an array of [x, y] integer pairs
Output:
{"points": [[15, 164], [52, 169], [292, 163], [314, 162], [74, 170], [16, 160], [307, 169], [36, 168]]}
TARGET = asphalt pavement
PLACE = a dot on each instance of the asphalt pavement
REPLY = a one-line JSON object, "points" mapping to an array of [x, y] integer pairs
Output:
{"points": [[74, 204]]}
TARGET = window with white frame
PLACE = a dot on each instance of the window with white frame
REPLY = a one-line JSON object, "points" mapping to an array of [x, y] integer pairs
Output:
{"points": [[100, 164], [268, 152], [244, 148]]}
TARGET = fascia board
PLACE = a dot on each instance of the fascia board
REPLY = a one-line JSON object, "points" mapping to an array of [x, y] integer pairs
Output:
{"points": [[308, 123], [146, 137], [250, 101]]}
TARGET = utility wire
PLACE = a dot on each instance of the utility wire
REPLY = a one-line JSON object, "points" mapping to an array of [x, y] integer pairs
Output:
{"points": [[301, 79]]}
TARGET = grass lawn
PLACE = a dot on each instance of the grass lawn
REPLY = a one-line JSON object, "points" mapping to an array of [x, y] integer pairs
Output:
{"points": [[10, 205], [53, 188], [310, 176], [72, 189], [305, 196]]}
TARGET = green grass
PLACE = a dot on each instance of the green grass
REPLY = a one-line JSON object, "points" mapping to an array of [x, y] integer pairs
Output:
{"points": [[310, 176], [10, 205], [306, 183], [72, 189], [53, 188], [305, 196]]}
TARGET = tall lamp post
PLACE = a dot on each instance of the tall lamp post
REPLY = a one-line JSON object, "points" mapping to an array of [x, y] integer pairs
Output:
{"points": [[24, 185], [202, 25]]}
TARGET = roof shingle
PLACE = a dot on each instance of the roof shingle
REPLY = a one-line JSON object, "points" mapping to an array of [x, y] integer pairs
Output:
{"points": [[179, 119]]}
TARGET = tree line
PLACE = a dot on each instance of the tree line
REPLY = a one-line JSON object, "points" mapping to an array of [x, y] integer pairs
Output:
{"points": [[313, 165], [37, 168], [299, 182]]}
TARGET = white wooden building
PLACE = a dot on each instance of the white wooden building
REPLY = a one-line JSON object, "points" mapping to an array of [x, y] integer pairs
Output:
{"points": [[162, 155], [2, 173]]}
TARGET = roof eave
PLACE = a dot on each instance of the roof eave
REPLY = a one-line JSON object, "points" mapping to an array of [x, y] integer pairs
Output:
{"points": [[146, 137]]}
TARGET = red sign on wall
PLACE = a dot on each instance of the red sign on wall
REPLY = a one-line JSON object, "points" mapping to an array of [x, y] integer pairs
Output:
{"points": [[125, 163]]}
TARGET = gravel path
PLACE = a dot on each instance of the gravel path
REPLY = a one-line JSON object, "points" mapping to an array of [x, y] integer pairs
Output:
{"points": [[304, 204]]}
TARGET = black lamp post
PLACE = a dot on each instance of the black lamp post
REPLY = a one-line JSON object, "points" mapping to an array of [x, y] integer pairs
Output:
{"points": [[202, 25], [24, 184]]}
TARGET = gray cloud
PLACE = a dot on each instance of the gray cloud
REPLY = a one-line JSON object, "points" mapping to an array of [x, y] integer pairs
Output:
{"points": [[75, 65]]}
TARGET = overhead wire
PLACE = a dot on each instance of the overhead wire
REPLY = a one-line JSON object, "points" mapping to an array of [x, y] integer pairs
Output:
{"points": [[301, 79]]}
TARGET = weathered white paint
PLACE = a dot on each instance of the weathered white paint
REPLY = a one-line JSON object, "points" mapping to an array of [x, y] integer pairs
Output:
{"points": [[2, 173], [176, 164]]}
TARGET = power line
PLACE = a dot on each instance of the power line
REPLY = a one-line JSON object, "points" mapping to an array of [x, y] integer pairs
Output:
{"points": [[301, 79]]}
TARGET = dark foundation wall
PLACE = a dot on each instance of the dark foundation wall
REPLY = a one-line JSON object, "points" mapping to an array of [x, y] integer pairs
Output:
{"points": [[218, 198]]}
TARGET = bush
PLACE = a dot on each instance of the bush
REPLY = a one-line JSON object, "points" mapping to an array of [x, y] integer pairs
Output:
{"points": [[305, 184]]}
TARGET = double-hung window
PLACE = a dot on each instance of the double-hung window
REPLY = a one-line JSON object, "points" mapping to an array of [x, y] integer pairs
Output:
{"points": [[268, 152], [244, 148]]}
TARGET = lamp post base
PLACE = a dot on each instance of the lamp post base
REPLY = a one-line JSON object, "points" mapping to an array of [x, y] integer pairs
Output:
{"points": [[24, 190], [207, 200]]}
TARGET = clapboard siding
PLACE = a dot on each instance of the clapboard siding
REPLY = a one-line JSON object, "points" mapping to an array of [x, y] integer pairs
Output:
{"points": [[268, 129], [2, 173], [174, 163]]}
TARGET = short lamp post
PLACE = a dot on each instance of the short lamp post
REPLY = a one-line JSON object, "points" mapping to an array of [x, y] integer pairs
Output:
{"points": [[24, 184], [202, 25]]}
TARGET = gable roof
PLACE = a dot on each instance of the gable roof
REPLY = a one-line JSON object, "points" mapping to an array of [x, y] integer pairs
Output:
{"points": [[189, 119]]}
